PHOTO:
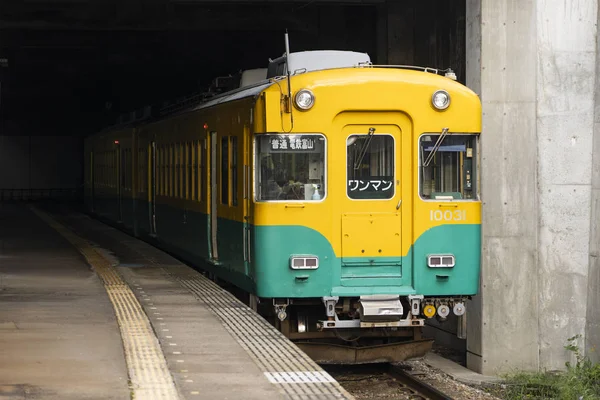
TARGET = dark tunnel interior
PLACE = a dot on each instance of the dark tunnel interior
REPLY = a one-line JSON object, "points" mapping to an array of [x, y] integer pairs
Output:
{"points": [[70, 67]]}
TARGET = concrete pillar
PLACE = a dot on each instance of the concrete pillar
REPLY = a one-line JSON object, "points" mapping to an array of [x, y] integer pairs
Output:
{"points": [[537, 85], [473, 81], [592, 332], [566, 35]]}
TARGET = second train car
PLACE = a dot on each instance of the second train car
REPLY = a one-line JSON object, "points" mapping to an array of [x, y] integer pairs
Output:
{"points": [[342, 197]]}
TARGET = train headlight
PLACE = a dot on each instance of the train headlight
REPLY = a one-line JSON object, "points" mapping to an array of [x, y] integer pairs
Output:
{"points": [[459, 309], [440, 99], [441, 261], [304, 99], [304, 262], [443, 311]]}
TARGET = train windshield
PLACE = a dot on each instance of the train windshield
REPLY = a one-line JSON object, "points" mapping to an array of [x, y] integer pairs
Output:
{"points": [[370, 166], [447, 166], [290, 167]]}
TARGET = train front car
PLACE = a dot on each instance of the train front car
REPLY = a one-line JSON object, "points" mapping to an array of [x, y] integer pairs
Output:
{"points": [[366, 213]]}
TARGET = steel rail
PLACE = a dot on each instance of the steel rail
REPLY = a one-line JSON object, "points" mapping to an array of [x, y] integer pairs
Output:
{"points": [[423, 390]]}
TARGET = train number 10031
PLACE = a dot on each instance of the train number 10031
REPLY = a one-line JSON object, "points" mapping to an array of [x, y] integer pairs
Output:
{"points": [[448, 215]]}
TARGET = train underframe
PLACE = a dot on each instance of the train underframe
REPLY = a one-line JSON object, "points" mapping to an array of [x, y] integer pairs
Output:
{"points": [[359, 330]]}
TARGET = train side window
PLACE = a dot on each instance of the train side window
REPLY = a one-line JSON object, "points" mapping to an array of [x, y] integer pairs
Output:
{"points": [[174, 186], [290, 167], [171, 173], [140, 175], [123, 169], [234, 157], [203, 171], [370, 163], [141, 181], [225, 170], [169, 170], [127, 169], [164, 170], [182, 185], [165, 162], [198, 168], [186, 177], [173, 170], [182, 160], [159, 170], [448, 167], [182, 174]]}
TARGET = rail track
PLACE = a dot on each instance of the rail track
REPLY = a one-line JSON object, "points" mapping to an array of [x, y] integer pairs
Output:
{"points": [[383, 381]]}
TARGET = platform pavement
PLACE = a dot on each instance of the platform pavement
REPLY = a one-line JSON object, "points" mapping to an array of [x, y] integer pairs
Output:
{"points": [[59, 338], [62, 340]]}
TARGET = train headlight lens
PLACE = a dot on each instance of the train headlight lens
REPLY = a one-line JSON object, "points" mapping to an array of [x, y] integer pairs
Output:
{"points": [[441, 99], [304, 262], [305, 99], [302, 323], [459, 309], [443, 311], [441, 261]]}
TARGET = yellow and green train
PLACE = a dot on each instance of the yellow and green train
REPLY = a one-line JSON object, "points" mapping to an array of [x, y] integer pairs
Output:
{"points": [[342, 198]]}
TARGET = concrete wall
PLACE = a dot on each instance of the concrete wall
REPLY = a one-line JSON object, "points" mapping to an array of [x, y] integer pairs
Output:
{"points": [[540, 235], [592, 332], [565, 127], [40, 162]]}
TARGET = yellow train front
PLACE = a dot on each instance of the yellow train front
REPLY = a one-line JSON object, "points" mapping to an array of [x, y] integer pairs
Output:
{"points": [[349, 211]]}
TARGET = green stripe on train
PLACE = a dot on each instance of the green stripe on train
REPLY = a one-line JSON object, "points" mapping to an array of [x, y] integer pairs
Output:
{"points": [[268, 273], [343, 277]]}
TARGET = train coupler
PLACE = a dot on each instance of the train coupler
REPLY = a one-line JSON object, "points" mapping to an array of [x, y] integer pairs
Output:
{"points": [[375, 311]]}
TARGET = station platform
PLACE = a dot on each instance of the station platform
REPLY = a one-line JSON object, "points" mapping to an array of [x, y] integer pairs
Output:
{"points": [[88, 312]]}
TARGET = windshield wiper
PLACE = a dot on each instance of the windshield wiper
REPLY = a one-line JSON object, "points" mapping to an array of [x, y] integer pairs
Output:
{"points": [[363, 149], [435, 148]]}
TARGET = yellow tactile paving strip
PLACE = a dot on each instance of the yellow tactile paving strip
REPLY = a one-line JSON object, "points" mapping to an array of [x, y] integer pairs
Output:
{"points": [[148, 371], [297, 376]]}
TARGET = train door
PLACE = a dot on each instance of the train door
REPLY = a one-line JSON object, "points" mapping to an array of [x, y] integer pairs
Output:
{"points": [[152, 187], [213, 197], [371, 208], [247, 194]]}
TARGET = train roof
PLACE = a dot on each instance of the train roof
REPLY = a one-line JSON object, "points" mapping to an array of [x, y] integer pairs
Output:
{"points": [[316, 60], [254, 81], [251, 76], [241, 93]]}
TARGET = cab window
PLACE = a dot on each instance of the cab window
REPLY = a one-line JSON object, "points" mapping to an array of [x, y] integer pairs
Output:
{"points": [[370, 166], [290, 167], [447, 166]]}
